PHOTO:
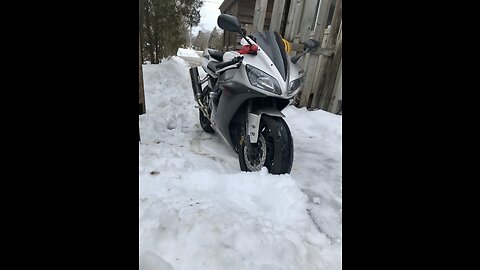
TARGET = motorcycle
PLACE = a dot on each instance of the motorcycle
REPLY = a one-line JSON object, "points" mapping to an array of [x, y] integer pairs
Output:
{"points": [[245, 94]]}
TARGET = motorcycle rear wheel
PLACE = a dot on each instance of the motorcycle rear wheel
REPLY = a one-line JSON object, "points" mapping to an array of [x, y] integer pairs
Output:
{"points": [[205, 123]]}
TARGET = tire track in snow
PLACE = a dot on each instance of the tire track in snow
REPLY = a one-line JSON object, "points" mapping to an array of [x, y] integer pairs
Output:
{"points": [[195, 148]]}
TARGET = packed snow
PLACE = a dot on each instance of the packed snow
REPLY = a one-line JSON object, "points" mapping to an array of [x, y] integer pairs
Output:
{"points": [[187, 53], [199, 211]]}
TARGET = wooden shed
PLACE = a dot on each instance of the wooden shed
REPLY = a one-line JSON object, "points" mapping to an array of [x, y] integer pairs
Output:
{"points": [[297, 21], [244, 10]]}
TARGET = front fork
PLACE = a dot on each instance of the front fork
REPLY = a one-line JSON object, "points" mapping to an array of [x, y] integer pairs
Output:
{"points": [[254, 115]]}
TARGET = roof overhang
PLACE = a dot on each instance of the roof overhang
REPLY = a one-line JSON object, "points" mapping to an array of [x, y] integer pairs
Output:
{"points": [[225, 5]]}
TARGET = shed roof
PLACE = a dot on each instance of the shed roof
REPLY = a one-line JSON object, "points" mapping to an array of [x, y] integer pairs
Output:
{"points": [[225, 5]]}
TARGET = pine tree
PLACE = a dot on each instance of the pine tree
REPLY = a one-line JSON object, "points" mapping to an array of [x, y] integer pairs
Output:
{"points": [[164, 25], [216, 39], [200, 42]]}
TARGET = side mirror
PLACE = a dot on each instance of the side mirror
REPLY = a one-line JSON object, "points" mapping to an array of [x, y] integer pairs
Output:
{"points": [[308, 46], [229, 23]]}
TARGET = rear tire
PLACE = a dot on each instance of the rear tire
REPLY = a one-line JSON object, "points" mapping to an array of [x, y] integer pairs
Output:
{"points": [[274, 147], [204, 122]]}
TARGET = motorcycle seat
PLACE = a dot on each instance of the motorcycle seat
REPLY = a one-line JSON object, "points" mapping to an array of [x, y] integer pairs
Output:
{"points": [[217, 55]]}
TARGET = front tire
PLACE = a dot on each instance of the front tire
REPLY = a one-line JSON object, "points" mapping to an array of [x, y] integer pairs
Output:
{"points": [[274, 147]]}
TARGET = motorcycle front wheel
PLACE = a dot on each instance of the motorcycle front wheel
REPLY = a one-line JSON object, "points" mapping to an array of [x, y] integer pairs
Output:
{"points": [[274, 147]]}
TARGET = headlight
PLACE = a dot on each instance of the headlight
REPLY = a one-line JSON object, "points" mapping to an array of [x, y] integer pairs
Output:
{"points": [[295, 85], [262, 80]]}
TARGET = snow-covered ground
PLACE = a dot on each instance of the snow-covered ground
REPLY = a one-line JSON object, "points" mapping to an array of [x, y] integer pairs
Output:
{"points": [[199, 211]]}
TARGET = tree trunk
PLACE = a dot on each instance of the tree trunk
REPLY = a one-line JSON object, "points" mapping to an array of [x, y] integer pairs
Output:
{"points": [[149, 31], [156, 42]]}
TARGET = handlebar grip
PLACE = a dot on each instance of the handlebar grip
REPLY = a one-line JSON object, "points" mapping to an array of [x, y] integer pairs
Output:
{"points": [[228, 63]]}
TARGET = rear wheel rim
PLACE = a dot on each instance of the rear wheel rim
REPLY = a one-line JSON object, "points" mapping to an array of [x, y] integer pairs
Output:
{"points": [[203, 120]]}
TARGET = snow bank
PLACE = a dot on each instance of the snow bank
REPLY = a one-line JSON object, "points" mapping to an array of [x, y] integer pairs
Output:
{"points": [[187, 53], [211, 220]]}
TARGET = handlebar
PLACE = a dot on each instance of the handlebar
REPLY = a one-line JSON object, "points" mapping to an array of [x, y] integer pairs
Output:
{"points": [[228, 63]]}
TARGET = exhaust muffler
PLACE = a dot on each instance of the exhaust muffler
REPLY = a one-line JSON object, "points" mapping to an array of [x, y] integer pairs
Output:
{"points": [[196, 86], [197, 90]]}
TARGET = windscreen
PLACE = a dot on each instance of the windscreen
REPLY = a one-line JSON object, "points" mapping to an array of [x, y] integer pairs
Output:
{"points": [[271, 43]]}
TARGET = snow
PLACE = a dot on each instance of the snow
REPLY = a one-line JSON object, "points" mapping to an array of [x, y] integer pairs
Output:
{"points": [[199, 211], [187, 53]]}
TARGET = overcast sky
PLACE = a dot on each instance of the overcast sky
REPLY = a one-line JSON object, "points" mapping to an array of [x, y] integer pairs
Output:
{"points": [[208, 15]]}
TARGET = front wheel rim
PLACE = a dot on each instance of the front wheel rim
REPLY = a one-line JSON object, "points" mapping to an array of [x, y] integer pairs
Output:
{"points": [[257, 163]]}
